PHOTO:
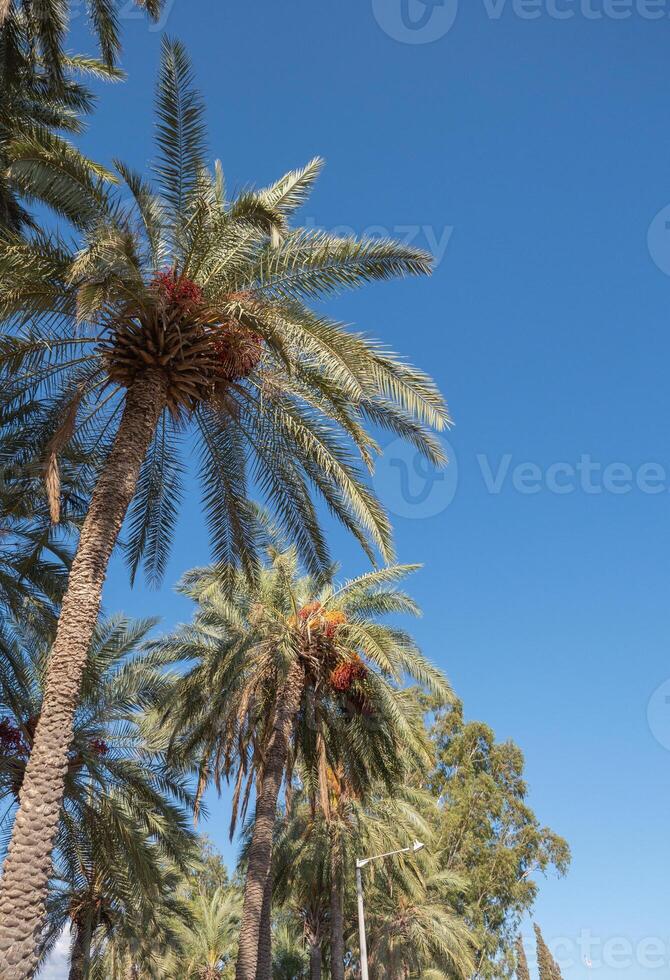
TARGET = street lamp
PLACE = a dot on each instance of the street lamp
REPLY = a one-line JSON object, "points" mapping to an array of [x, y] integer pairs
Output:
{"points": [[361, 863]]}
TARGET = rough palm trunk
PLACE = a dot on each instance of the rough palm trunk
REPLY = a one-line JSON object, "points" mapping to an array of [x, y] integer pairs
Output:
{"points": [[27, 866], [260, 850], [77, 956], [315, 962], [336, 918], [264, 968]]}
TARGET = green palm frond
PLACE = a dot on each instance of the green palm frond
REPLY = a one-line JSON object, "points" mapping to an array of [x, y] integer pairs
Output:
{"points": [[180, 135]]}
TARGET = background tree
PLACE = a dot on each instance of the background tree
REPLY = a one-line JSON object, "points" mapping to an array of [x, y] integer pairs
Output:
{"points": [[489, 834], [547, 966], [289, 957], [124, 813], [206, 941], [288, 669], [111, 884], [191, 309], [522, 971], [413, 926]]}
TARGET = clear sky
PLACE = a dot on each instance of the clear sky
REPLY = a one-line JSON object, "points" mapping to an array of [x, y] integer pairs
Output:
{"points": [[528, 145]]}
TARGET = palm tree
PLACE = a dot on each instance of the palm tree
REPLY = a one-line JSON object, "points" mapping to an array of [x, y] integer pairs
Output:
{"points": [[36, 161], [290, 668], [206, 941], [414, 931], [47, 23], [124, 812], [289, 960], [112, 884], [315, 855], [188, 310]]}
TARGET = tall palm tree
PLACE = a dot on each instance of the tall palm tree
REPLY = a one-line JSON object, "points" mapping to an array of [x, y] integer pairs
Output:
{"points": [[36, 114], [125, 813], [189, 310], [287, 668]]}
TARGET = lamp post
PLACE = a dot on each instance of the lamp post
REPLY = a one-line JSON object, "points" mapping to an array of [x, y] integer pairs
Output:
{"points": [[361, 863]]}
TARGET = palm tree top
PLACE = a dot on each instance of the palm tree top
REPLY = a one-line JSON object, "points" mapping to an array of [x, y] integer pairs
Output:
{"points": [[210, 296]]}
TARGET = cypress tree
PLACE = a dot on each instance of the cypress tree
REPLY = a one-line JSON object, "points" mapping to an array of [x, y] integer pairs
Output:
{"points": [[546, 963], [522, 971]]}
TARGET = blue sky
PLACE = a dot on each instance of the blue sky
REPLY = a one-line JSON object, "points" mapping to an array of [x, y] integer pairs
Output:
{"points": [[528, 145]]}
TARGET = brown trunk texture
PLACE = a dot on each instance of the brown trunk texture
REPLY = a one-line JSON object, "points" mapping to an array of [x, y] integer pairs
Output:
{"points": [[23, 886], [264, 968], [260, 851], [336, 918], [77, 956], [315, 961]]}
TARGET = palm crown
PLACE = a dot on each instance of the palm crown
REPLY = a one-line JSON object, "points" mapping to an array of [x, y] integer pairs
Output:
{"points": [[354, 710], [211, 294]]}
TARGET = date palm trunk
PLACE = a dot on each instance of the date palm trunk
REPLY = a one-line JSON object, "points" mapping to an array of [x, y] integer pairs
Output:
{"points": [[336, 916], [315, 962], [264, 968], [24, 882], [81, 952], [260, 850]]}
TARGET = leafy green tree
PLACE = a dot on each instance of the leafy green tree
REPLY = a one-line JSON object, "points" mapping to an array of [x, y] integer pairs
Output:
{"points": [[489, 834], [522, 971], [289, 669], [546, 964], [34, 553], [189, 311]]}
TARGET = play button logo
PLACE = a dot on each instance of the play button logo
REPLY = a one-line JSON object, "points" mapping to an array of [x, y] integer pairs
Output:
{"points": [[415, 21]]}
